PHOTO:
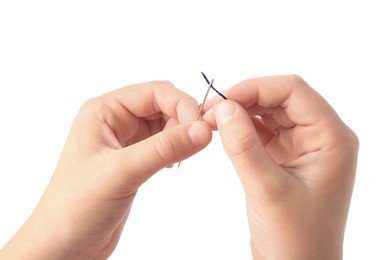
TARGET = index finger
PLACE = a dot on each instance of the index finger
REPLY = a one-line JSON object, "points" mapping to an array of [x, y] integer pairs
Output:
{"points": [[302, 104], [126, 111], [147, 99]]}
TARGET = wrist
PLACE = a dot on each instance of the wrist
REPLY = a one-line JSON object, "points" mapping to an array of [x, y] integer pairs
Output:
{"points": [[36, 241], [305, 252]]}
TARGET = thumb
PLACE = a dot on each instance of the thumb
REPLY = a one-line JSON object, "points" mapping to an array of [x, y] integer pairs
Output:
{"points": [[256, 169], [138, 162]]}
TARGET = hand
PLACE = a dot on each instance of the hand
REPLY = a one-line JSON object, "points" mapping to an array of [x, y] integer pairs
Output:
{"points": [[117, 142], [296, 160]]}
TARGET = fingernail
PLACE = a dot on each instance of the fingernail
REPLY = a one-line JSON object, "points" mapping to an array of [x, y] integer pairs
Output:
{"points": [[225, 111], [198, 133]]}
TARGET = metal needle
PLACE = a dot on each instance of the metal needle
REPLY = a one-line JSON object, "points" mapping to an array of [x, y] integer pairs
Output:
{"points": [[201, 107], [204, 100]]}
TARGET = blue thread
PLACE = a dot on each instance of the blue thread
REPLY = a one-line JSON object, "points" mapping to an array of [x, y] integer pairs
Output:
{"points": [[208, 82]]}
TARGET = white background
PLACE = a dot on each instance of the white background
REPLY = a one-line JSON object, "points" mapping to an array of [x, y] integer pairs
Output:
{"points": [[54, 55]]}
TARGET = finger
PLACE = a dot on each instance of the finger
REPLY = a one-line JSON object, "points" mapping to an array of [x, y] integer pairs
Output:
{"points": [[273, 118], [209, 117], [276, 115], [138, 162], [302, 104], [264, 132], [241, 142], [122, 112], [146, 99], [211, 102]]}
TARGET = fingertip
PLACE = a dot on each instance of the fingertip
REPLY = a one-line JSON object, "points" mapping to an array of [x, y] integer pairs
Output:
{"points": [[210, 103], [199, 133], [209, 118], [187, 109], [225, 111]]}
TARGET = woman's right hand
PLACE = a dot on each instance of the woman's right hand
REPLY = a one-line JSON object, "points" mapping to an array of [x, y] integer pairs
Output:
{"points": [[296, 160]]}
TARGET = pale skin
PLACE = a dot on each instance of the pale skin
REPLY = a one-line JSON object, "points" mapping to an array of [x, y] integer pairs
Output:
{"points": [[295, 157], [297, 165]]}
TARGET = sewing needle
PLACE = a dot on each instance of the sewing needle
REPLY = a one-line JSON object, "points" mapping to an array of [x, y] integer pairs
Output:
{"points": [[201, 107], [204, 100]]}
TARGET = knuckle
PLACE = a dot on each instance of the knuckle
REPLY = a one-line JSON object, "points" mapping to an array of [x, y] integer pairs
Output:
{"points": [[342, 133], [163, 83], [89, 103], [240, 144], [354, 140], [97, 106], [298, 80], [165, 147]]}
